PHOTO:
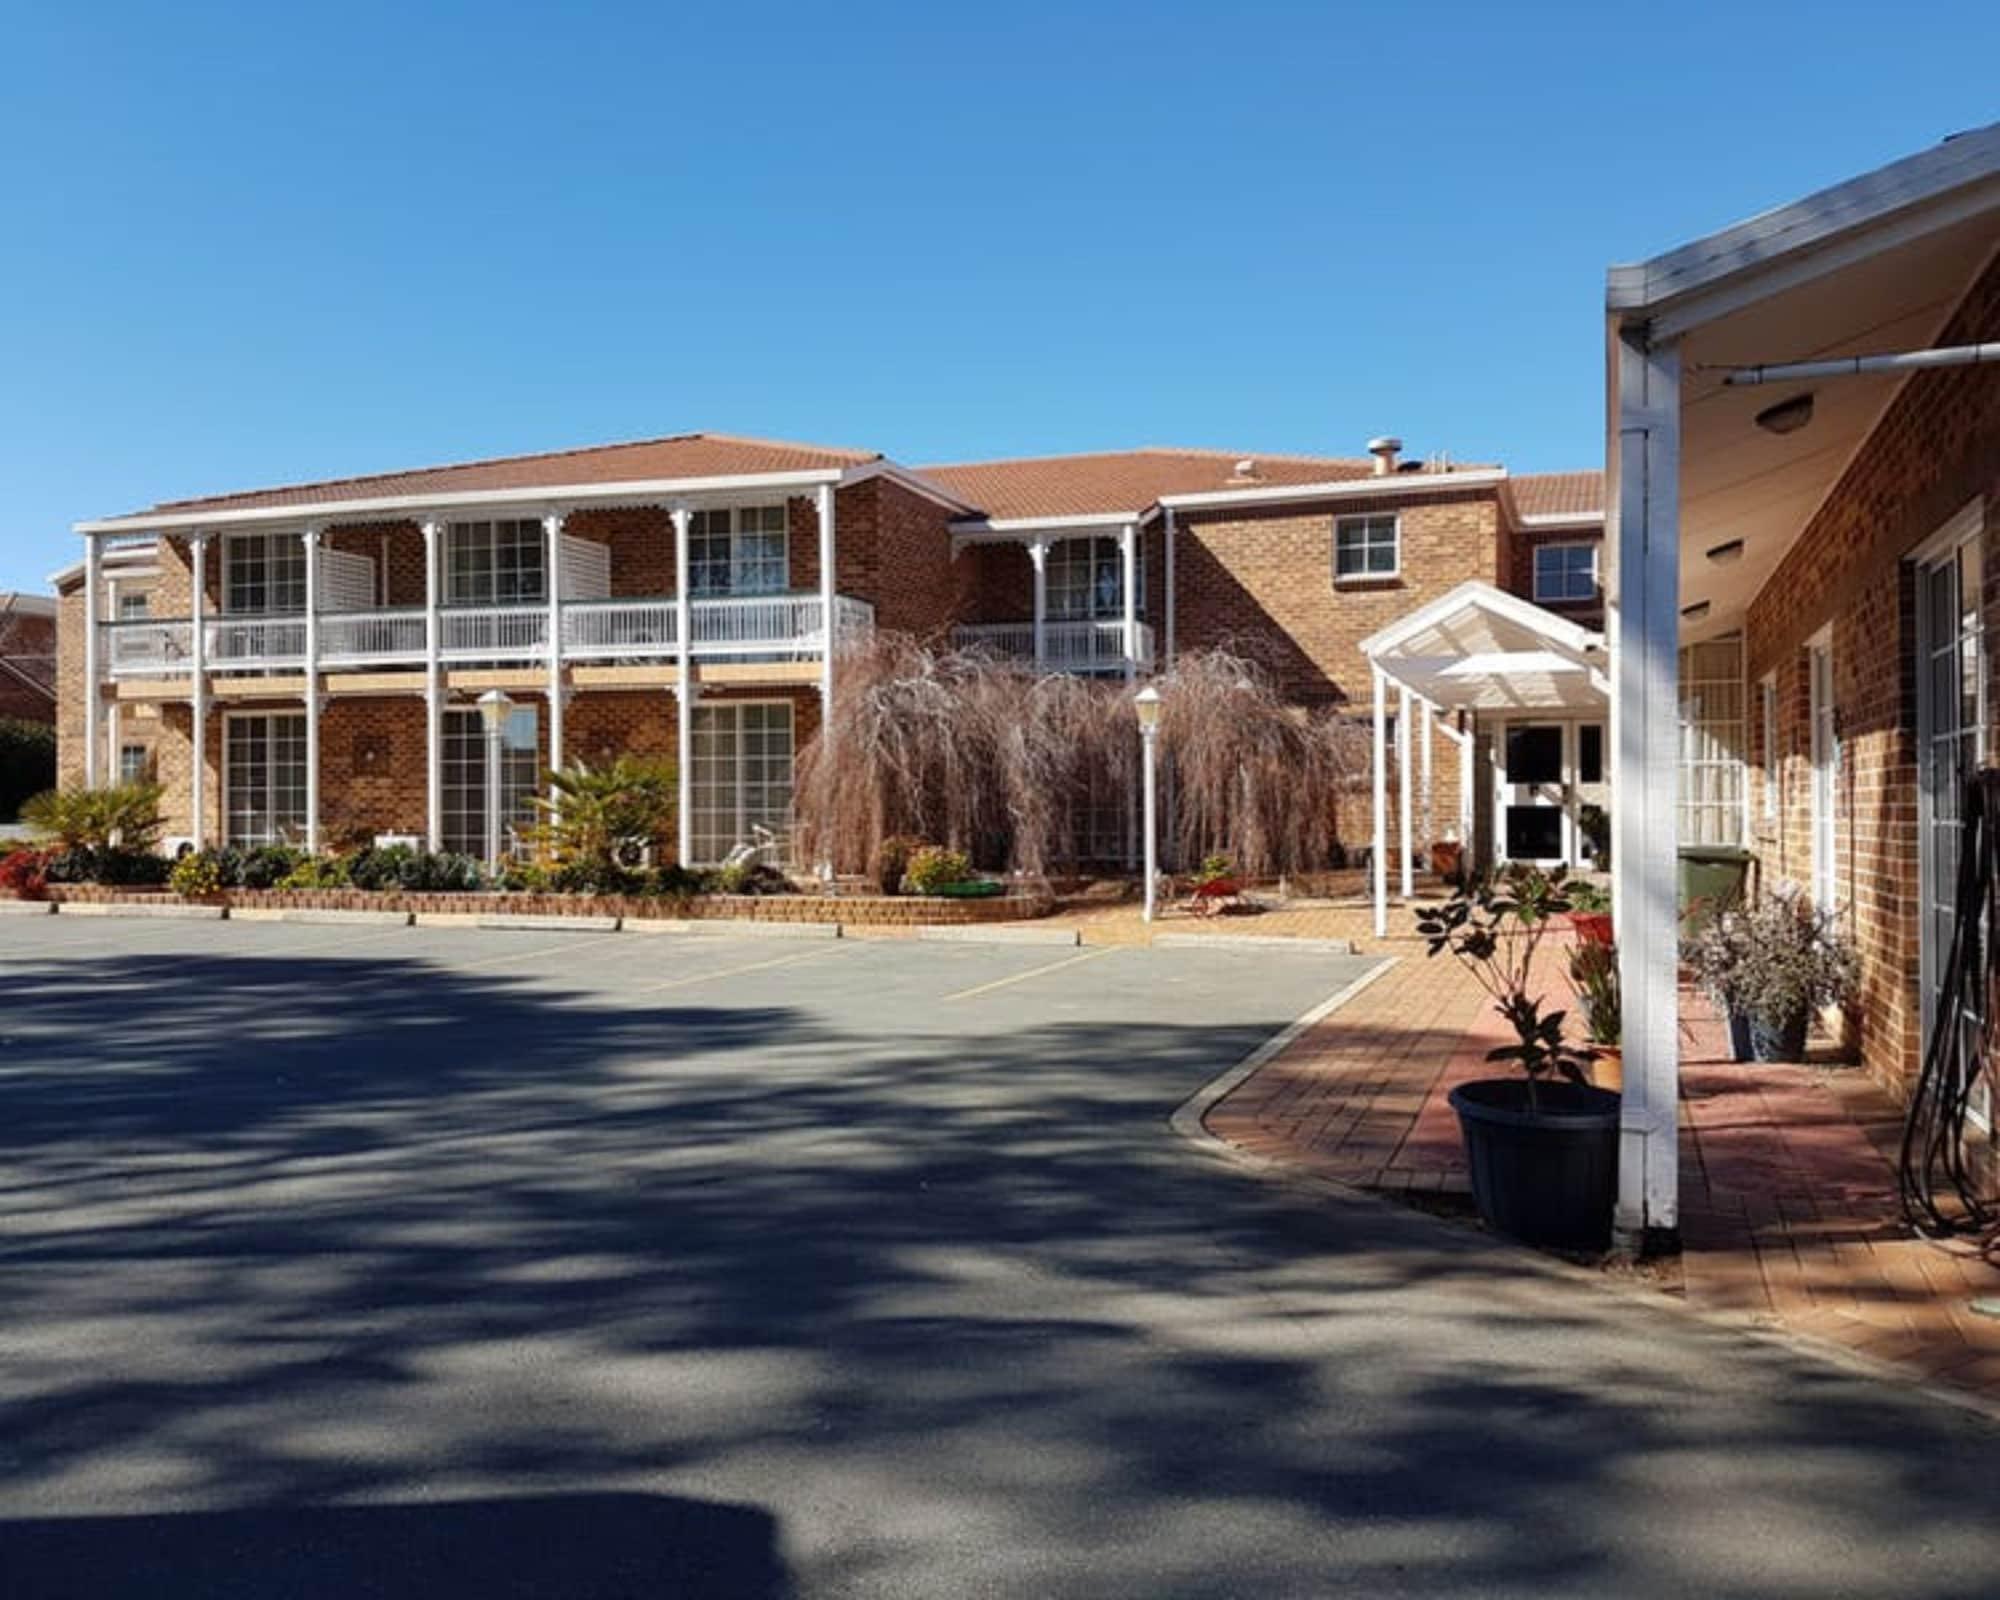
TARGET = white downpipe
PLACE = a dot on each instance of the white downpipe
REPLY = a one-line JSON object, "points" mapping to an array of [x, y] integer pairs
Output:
{"points": [[1468, 743], [1380, 856], [1168, 528], [1038, 553], [93, 704], [1403, 742], [433, 689], [1647, 544], [310, 539], [1959, 355], [198, 688], [684, 687], [552, 526], [1128, 559], [1429, 797]]}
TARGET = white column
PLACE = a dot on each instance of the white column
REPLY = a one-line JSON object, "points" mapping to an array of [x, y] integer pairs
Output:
{"points": [[433, 689], [1167, 531], [1429, 724], [310, 539], [1380, 858], [826, 597], [1404, 740], [198, 686], [1128, 557], [1038, 553], [93, 703], [552, 525], [684, 692], [113, 759], [1646, 536], [1468, 742]]}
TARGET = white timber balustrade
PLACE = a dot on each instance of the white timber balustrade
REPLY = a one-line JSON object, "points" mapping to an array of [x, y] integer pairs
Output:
{"points": [[1083, 646], [371, 638]]}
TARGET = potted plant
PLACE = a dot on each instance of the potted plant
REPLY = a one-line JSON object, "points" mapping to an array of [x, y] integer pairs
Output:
{"points": [[1593, 975], [1542, 1148], [1767, 966], [1590, 912]]}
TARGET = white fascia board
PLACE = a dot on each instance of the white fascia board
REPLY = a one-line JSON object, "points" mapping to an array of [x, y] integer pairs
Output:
{"points": [[915, 482], [995, 530], [1400, 484], [573, 494], [1476, 593], [1546, 520], [1950, 182]]}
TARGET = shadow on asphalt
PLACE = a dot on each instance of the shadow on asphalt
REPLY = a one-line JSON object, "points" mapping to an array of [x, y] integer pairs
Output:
{"points": [[952, 1310]]}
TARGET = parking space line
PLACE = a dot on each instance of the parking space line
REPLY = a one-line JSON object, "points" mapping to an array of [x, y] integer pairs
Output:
{"points": [[729, 972], [1032, 972], [570, 942]]}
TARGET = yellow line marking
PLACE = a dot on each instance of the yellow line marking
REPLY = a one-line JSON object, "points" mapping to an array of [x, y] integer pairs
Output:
{"points": [[570, 942], [730, 972], [1032, 972]]}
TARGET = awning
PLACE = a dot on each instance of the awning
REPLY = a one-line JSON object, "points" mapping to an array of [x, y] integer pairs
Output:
{"points": [[1479, 648]]}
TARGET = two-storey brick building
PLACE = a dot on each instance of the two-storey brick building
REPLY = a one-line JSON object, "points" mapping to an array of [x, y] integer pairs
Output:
{"points": [[304, 662]]}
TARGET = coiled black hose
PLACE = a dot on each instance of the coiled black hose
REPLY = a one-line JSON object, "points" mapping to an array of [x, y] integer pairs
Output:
{"points": [[1940, 1196]]}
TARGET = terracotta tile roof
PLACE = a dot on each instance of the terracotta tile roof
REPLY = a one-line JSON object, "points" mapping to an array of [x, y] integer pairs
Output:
{"points": [[1558, 494], [1124, 480], [682, 455]]}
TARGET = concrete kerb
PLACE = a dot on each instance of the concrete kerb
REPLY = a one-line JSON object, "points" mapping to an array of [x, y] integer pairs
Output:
{"points": [[1251, 941], [365, 919], [977, 933], [729, 928], [142, 908], [1190, 1122], [26, 908]]}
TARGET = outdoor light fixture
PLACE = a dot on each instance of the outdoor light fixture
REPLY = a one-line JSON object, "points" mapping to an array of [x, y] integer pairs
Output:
{"points": [[1146, 705], [494, 710], [1729, 550], [1787, 416], [1695, 612]]}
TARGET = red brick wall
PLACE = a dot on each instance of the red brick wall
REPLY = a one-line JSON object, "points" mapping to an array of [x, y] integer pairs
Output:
{"points": [[27, 652], [1517, 569], [1937, 448]]}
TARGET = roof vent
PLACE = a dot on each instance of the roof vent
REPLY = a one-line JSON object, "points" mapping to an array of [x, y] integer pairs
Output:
{"points": [[1384, 451], [1245, 471]]}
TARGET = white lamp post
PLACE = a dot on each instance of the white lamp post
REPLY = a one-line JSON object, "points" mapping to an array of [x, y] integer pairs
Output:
{"points": [[1147, 704], [494, 710]]}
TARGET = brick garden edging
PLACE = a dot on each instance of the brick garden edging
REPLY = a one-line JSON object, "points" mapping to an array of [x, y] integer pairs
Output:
{"points": [[873, 911]]}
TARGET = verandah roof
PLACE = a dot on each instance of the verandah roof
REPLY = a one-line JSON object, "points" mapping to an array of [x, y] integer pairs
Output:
{"points": [[1479, 648]]}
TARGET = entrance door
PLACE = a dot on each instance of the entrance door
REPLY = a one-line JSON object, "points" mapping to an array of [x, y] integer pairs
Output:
{"points": [[1951, 722], [1825, 774], [1534, 814]]}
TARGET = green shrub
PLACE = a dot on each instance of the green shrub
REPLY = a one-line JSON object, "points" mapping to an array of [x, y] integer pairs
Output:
{"points": [[1214, 869], [27, 763], [125, 815], [892, 861], [110, 865], [603, 822], [317, 872], [196, 876], [933, 867], [266, 866], [402, 867], [751, 877]]}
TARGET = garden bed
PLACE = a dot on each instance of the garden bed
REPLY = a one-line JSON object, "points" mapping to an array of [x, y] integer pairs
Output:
{"points": [[855, 910]]}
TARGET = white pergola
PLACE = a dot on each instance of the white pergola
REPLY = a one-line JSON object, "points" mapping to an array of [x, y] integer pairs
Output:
{"points": [[1745, 372], [1476, 649]]}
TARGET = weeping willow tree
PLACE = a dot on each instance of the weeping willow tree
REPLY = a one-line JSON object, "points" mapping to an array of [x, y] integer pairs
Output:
{"points": [[1034, 771]]}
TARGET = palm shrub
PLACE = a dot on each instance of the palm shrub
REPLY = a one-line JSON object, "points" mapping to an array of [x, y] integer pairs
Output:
{"points": [[116, 815], [599, 824], [1494, 926]]}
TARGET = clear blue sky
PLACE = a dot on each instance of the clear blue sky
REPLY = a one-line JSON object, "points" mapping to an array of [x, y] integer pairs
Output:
{"points": [[251, 244]]}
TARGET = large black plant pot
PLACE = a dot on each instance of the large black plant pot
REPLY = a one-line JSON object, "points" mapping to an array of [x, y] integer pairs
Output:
{"points": [[1547, 1176], [1739, 1036], [1784, 1040]]}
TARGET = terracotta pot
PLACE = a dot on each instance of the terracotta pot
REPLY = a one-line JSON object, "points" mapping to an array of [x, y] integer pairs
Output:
{"points": [[1607, 1067], [1592, 927], [1446, 857]]}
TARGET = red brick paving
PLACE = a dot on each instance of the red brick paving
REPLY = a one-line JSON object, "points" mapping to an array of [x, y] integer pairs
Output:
{"points": [[1789, 1214]]}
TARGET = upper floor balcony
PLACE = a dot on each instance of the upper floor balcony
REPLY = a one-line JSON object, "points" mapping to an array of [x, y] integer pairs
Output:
{"points": [[777, 627], [1087, 645]]}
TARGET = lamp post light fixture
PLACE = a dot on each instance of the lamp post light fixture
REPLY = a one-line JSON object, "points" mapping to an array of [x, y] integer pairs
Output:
{"points": [[494, 710], [1146, 704]]}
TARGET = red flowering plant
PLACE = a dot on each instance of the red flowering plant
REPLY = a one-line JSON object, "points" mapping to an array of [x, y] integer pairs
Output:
{"points": [[24, 873]]}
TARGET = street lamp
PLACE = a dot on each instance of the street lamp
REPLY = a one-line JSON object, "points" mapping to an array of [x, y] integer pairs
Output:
{"points": [[494, 710], [1146, 703]]}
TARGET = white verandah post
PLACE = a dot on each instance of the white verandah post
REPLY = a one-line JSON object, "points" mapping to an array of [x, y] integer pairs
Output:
{"points": [[1403, 742], [198, 687], [552, 526], [93, 703], [826, 602], [1038, 553], [1646, 602], [684, 687], [310, 540], [1468, 742], [1128, 575], [1167, 531], [1429, 721], [433, 690], [1379, 859]]}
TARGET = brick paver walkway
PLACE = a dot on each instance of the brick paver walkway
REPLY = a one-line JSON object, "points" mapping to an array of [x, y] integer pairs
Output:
{"points": [[1789, 1212]]}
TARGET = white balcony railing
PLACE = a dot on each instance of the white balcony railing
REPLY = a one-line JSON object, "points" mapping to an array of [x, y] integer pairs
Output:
{"points": [[1090, 646], [770, 627]]}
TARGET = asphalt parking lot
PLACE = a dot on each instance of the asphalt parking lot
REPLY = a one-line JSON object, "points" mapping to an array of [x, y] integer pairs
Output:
{"points": [[384, 1261]]}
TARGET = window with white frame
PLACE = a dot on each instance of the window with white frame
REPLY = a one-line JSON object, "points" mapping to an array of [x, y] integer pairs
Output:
{"points": [[264, 776], [464, 760], [1767, 709], [263, 574], [1366, 547], [739, 550], [1565, 572], [1086, 580], [742, 775], [1712, 725], [135, 763], [134, 607], [503, 562]]}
